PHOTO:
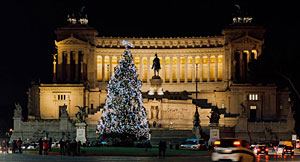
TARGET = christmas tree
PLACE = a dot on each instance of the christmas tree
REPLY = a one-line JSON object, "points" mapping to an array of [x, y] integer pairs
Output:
{"points": [[124, 117]]}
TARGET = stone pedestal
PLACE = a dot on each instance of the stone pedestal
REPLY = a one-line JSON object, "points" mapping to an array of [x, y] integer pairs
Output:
{"points": [[156, 83], [241, 129], [196, 131], [81, 132], [214, 133]]}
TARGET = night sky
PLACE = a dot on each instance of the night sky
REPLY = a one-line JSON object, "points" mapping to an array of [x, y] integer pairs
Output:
{"points": [[28, 33]]}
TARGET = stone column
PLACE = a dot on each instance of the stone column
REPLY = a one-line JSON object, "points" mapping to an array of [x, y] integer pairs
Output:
{"points": [[216, 68], [201, 69], [208, 68], [248, 56], [223, 69], [81, 68], [186, 69], [178, 69], [171, 69], [163, 69], [77, 66], [241, 66], [68, 69], [54, 68], [110, 66], [193, 69], [141, 68], [103, 68], [59, 65], [85, 63], [148, 69]]}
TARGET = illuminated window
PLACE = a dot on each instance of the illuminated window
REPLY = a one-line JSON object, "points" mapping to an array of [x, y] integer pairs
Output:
{"points": [[253, 97], [204, 68], [252, 107], [220, 67], [281, 107], [99, 68], [61, 97], [212, 68]]}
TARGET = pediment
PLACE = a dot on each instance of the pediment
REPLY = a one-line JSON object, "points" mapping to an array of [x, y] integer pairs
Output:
{"points": [[71, 41], [247, 39]]}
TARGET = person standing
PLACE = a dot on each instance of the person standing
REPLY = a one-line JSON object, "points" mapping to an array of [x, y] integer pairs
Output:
{"points": [[45, 146], [3, 146], [78, 148], [40, 146], [14, 146], [74, 147], [62, 146], [68, 146], [159, 148], [164, 147], [50, 144], [7, 145], [19, 145]]}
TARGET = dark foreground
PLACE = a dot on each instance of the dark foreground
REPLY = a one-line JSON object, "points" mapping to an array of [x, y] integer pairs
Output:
{"points": [[52, 158]]}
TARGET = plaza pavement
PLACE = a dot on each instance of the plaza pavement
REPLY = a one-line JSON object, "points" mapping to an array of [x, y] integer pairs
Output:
{"points": [[53, 158]]}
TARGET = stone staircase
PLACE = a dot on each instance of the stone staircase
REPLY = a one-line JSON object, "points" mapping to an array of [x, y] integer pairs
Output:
{"points": [[93, 111], [173, 136]]}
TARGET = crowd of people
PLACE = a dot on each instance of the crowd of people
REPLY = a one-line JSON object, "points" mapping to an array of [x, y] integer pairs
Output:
{"points": [[67, 147], [16, 145]]}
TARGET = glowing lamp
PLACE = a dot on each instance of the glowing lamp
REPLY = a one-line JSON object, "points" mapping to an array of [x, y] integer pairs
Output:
{"points": [[236, 143], [217, 142]]}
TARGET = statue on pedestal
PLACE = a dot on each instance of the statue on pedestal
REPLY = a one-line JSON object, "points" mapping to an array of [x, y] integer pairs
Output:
{"points": [[243, 113], [156, 81], [18, 110], [215, 116], [156, 65], [63, 111], [81, 124], [81, 115]]}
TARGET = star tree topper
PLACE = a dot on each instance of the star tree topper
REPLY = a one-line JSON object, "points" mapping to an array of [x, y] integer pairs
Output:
{"points": [[125, 43]]}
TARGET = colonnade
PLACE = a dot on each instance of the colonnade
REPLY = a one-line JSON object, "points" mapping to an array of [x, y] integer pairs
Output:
{"points": [[69, 66], [241, 60], [174, 69]]}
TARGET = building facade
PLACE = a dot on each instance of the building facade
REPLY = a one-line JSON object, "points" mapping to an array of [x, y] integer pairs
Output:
{"points": [[219, 65]]}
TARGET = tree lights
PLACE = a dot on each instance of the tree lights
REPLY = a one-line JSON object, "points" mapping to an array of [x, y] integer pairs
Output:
{"points": [[124, 116]]}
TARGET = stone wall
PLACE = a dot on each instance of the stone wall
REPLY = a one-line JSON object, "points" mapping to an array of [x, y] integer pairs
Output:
{"points": [[55, 128], [265, 131]]}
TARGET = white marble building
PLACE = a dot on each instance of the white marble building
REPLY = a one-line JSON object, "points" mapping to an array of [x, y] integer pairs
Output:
{"points": [[85, 61]]}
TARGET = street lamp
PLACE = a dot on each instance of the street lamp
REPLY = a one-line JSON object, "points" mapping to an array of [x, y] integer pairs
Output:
{"points": [[196, 116]]}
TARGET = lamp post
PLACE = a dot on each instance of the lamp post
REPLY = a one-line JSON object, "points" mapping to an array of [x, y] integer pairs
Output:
{"points": [[196, 116]]}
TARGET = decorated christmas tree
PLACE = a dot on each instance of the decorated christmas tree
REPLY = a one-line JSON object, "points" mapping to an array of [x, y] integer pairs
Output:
{"points": [[124, 117]]}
